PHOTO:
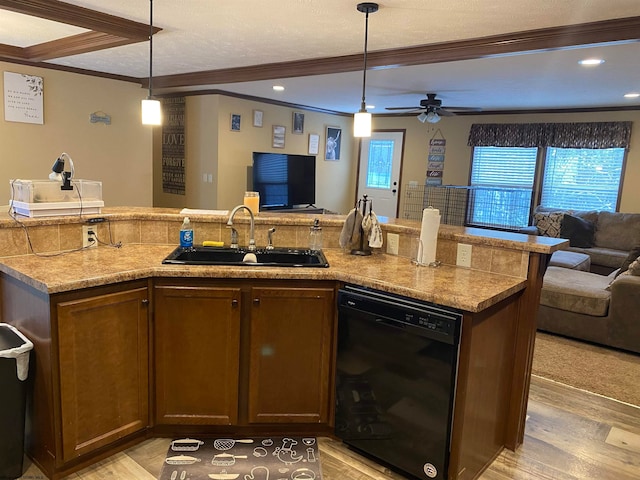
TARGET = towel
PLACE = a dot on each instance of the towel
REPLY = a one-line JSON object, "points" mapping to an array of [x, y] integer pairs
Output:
{"points": [[375, 232], [350, 234]]}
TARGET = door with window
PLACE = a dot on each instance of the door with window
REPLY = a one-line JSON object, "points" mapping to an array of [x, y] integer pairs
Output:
{"points": [[379, 171]]}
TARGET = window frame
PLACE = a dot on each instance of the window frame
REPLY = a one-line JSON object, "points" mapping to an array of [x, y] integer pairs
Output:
{"points": [[540, 168]]}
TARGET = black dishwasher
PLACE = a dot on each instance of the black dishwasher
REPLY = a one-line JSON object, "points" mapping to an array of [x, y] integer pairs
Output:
{"points": [[395, 382]]}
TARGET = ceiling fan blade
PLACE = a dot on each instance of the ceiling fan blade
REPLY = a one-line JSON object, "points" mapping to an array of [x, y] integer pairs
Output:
{"points": [[403, 108], [443, 112], [462, 109]]}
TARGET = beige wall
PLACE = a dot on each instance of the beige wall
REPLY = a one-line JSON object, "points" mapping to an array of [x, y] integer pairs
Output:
{"points": [[212, 148], [458, 155], [118, 155]]}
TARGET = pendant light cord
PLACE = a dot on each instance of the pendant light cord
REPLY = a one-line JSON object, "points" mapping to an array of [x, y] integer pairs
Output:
{"points": [[363, 105], [150, 47], [366, 8]]}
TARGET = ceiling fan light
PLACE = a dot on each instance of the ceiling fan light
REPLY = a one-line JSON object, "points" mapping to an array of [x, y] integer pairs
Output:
{"points": [[433, 117], [362, 124], [422, 117], [151, 112]]}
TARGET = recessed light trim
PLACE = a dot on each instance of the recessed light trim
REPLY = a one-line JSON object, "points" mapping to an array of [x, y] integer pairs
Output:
{"points": [[631, 95], [278, 88], [591, 62]]}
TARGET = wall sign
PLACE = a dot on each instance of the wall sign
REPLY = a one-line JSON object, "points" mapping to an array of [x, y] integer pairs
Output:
{"points": [[173, 145], [435, 160], [23, 98]]}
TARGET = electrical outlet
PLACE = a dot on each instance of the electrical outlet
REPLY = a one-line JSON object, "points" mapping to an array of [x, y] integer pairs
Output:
{"points": [[464, 255], [393, 241], [89, 239]]}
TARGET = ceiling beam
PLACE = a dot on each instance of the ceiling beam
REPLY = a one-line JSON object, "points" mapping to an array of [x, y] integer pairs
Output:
{"points": [[105, 31], [618, 30], [69, 14]]}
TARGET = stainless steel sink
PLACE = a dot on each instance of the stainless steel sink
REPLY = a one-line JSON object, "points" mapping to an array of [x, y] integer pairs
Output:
{"points": [[277, 257]]}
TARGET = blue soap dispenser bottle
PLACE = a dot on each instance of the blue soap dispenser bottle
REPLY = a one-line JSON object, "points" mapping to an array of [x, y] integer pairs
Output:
{"points": [[186, 233]]}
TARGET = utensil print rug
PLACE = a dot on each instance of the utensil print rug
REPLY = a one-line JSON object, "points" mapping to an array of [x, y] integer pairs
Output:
{"points": [[258, 458]]}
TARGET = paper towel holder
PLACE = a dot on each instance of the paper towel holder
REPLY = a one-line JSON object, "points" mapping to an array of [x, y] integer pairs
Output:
{"points": [[416, 254]]}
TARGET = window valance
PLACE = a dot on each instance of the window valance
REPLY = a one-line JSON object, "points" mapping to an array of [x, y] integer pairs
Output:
{"points": [[562, 135]]}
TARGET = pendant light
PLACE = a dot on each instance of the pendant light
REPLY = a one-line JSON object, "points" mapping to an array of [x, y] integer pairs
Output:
{"points": [[362, 119], [151, 109]]}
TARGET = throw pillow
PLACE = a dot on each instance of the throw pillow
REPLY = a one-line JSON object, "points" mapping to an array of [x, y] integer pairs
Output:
{"points": [[578, 231], [633, 255], [548, 224], [634, 269]]}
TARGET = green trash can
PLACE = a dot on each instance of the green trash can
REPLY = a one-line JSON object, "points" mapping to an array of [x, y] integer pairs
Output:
{"points": [[15, 350]]}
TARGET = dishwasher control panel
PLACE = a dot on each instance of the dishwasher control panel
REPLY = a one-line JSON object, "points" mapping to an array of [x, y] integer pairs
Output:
{"points": [[401, 312]]}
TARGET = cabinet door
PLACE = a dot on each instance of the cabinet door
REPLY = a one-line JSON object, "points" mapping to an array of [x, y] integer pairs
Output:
{"points": [[103, 357], [290, 355], [197, 339]]}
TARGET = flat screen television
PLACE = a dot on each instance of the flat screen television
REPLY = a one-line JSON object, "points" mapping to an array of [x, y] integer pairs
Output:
{"points": [[284, 180]]}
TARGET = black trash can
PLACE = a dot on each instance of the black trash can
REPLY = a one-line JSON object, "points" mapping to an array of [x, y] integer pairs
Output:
{"points": [[15, 350]]}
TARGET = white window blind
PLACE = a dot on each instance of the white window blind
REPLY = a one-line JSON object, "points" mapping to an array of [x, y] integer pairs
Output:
{"points": [[504, 166], [582, 179], [502, 180]]}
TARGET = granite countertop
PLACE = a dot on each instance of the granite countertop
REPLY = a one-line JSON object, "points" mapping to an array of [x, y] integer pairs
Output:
{"points": [[466, 289]]}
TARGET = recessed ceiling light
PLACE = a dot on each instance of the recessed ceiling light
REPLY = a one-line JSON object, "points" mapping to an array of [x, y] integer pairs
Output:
{"points": [[278, 88], [370, 107], [631, 95], [589, 62]]}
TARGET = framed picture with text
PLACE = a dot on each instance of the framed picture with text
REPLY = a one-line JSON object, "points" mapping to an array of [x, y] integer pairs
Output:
{"points": [[314, 142], [257, 118], [278, 136]]}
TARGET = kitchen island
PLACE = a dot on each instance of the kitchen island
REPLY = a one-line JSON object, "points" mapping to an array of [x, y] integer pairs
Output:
{"points": [[121, 314]]}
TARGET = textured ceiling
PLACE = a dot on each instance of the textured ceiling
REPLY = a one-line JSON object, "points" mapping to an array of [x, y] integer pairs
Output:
{"points": [[201, 35]]}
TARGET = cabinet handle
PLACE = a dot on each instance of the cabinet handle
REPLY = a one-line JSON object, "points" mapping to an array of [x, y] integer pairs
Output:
{"points": [[256, 301], [145, 301], [234, 302]]}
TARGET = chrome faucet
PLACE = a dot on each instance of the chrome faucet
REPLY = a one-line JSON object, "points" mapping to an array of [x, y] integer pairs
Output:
{"points": [[252, 242]]}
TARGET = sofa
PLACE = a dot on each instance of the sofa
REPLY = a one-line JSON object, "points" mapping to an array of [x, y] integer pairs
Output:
{"points": [[607, 237], [592, 307]]}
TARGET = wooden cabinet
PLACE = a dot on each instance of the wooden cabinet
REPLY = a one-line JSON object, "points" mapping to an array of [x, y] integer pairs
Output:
{"points": [[197, 341], [290, 354], [103, 362], [241, 352]]}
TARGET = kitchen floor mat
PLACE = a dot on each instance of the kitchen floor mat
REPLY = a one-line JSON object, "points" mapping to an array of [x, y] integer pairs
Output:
{"points": [[257, 458]]}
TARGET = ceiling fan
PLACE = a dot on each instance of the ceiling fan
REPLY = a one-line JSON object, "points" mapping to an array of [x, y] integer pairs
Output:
{"points": [[431, 109]]}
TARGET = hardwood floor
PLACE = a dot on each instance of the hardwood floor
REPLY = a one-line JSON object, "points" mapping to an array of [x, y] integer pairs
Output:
{"points": [[570, 435]]}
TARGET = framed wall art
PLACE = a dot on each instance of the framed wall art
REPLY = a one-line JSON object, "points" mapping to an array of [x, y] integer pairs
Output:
{"points": [[332, 149], [235, 122], [278, 136], [314, 141], [298, 123], [257, 118], [23, 98]]}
